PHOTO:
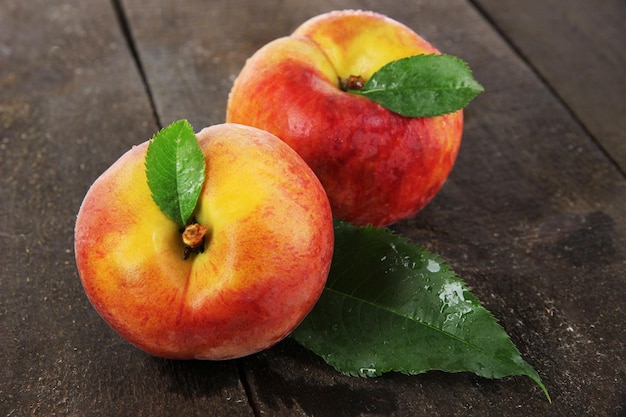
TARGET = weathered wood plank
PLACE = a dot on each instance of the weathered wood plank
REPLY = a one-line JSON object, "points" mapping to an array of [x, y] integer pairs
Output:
{"points": [[71, 102], [532, 216], [192, 51], [578, 48]]}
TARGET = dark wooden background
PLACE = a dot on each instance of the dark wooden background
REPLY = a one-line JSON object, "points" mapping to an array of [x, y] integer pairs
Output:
{"points": [[532, 218]]}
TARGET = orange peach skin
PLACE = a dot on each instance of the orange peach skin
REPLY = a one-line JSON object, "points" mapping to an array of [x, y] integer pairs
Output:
{"points": [[266, 261], [376, 166]]}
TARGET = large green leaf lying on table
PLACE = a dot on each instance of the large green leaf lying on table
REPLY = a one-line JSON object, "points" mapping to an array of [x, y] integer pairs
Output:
{"points": [[389, 305]]}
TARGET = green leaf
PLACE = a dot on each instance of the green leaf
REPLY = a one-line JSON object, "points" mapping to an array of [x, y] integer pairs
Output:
{"points": [[422, 85], [390, 305], [175, 170]]}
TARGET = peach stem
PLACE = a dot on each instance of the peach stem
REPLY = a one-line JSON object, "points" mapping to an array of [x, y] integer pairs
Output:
{"points": [[193, 237]]}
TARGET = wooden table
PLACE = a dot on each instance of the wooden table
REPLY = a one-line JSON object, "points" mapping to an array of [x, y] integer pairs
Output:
{"points": [[533, 217]]}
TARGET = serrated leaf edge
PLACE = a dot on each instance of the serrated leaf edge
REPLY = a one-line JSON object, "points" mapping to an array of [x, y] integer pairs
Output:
{"points": [[180, 220], [473, 87], [524, 366], [531, 373]]}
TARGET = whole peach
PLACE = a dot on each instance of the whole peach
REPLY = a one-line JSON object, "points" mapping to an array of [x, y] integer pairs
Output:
{"points": [[377, 167], [266, 258]]}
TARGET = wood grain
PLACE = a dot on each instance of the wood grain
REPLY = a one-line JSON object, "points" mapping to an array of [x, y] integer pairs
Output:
{"points": [[577, 47], [71, 102], [532, 217]]}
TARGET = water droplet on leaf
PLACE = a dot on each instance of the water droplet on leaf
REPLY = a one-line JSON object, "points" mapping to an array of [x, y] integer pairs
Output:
{"points": [[367, 372], [433, 266]]}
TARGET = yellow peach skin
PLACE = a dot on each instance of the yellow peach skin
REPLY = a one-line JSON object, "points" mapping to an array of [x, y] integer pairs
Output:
{"points": [[267, 256], [377, 167]]}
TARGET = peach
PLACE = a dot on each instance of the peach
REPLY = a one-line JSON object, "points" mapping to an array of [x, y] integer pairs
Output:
{"points": [[267, 254], [377, 167]]}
